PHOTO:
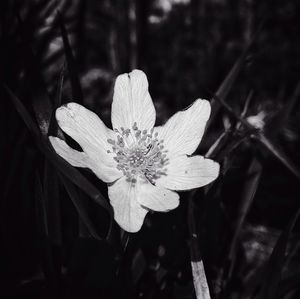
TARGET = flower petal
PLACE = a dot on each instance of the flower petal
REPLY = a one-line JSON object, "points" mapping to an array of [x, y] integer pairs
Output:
{"points": [[128, 212], [182, 133], [157, 199], [86, 128], [74, 157], [132, 102], [184, 173]]}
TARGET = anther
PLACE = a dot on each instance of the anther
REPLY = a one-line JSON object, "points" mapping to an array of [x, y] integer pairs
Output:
{"points": [[110, 141], [134, 127]]}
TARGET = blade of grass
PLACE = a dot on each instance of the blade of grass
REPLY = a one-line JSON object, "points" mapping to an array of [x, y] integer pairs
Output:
{"points": [[34, 82], [231, 110], [77, 201], [54, 129], [53, 210], [245, 108], [233, 143], [44, 146], [231, 77], [276, 262], [267, 143], [51, 182], [71, 63], [218, 144], [42, 224], [253, 178], [59, 89]]}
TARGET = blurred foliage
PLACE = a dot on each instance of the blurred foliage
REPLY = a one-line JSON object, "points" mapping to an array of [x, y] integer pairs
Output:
{"points": [[57, 237]]}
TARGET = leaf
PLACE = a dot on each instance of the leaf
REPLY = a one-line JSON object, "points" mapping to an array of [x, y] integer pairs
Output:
{"points": [[35, 84], [44, 146], [276, 262], [77, 201], [231, 77], [59, 89], [53, 127], [72, 67]]}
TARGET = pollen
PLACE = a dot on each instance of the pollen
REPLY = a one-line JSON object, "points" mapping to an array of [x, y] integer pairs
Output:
{"points": [[139, 154]]}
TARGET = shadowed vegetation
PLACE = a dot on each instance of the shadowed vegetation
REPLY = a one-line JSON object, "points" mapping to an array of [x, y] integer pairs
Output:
{"points": [[58, 237]]}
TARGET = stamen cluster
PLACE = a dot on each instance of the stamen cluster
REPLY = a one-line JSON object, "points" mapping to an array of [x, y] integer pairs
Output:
{"points": [[139, 153]]}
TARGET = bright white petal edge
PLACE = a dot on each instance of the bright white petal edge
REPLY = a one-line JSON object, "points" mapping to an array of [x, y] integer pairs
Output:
{"points": [[89, 131], [183, 132], [185, 173], [132, 102]]}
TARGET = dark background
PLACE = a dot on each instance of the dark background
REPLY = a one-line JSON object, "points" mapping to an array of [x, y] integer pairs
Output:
{"points": [[241, 55]]}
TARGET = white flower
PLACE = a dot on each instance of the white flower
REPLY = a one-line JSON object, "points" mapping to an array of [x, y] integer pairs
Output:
{"points": [[143, 163]]}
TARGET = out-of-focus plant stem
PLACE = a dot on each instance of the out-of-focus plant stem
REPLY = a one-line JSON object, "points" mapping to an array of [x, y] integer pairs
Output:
{"points": [[132, 34], [199, 277]]}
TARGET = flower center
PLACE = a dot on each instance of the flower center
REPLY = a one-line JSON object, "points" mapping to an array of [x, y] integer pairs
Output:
{"points": [[139, 153]]}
